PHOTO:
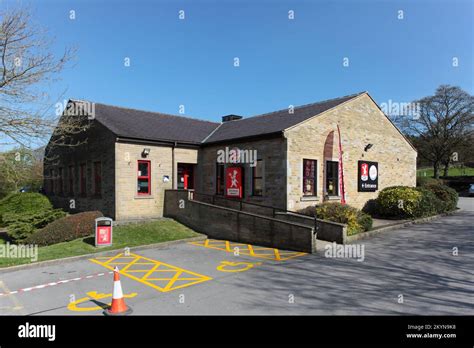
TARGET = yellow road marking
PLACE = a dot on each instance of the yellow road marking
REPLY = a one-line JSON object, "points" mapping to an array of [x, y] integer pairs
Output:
{"points": [[147, 277], [93, 295], [249, 250], [229, 266]]}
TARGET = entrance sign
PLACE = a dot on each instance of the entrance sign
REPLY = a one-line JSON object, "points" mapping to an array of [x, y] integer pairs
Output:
{"points": [[233, 182], [367, 178], [103, 231]]}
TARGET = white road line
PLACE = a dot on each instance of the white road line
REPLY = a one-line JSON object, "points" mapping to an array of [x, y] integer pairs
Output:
{"points": [[42, 286]]}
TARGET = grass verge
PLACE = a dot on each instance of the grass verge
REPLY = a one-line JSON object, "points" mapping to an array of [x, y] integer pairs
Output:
{"points": [[123, 236]]}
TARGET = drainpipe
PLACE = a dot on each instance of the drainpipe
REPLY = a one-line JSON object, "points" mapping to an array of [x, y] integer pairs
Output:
{"points": [[172, 166]]}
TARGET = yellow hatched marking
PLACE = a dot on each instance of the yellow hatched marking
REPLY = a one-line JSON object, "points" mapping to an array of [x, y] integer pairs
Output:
{"points": [[249, 250], [147, 274], [114, 258], [190, 277], [124, 269]]}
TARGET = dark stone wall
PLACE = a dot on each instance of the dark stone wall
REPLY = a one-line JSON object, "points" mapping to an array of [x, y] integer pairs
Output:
{"points": [[230, 224], [99, 146]]}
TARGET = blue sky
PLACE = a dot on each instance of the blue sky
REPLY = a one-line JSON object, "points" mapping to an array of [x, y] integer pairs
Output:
{"points": [[282, 61]]}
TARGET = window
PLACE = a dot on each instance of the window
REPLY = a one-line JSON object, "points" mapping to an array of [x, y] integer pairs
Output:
{"points": [[60, 181], [257, 178], [51, 180], [71, 180], [310, 177], [82, 179], [220, 179], [97, 178], [143, 178], [332, 178]]}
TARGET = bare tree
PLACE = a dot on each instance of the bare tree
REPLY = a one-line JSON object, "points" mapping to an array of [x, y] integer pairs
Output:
{"points": [[443, 124], [27, 67]]}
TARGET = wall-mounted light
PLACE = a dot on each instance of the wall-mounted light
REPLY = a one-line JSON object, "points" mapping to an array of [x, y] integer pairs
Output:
{"points": [[145, 152], [367, 147]]}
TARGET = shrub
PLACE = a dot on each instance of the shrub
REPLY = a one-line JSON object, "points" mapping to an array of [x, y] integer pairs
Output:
{"points": [[23, 203], [424, 180], [19, 231], [429, 204], [447, 195], [409, 202], [398, 201], [65, 229], [22, 226], [356, 220]]}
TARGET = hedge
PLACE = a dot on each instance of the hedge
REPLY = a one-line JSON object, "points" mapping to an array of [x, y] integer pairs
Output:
{"points": [[398, 201], [356, 220], [23, 203], [409, 202], [22, 226], [65, 229], [447, 195]]}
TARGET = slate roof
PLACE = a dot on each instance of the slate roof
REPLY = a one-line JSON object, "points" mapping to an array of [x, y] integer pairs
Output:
{"points": [[145, 125], [138, 124], [273, 122]]}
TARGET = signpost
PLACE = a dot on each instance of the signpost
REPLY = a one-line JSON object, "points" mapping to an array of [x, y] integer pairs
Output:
{"points": [[103, 231]]}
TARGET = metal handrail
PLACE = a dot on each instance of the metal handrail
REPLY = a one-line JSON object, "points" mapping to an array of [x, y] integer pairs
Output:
{"points": [[274, 209]]}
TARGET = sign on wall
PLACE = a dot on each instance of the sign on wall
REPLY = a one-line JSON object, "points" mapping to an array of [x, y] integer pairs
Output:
{"points": [[233, 182], [368, 176]]}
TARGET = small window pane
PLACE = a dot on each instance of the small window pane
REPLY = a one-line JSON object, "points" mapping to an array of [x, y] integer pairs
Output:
{"points": [[142, 186], [142, 169], [332, 178]]}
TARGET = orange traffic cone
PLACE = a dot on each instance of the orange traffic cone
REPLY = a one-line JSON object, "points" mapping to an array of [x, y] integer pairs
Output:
{"points": [[118, 306]]}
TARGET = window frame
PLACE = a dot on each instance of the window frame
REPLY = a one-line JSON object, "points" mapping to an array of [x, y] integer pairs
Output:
{"points": [[254, 178], [71, 179], [220, 180], [83, 179], [60, 182], [142, 177], [336, 162], [97, 178], [315, 177], [52, 182]]}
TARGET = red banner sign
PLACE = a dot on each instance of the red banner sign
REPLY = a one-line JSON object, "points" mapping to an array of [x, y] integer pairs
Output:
{"points": [[233, 182], [342, 189]]}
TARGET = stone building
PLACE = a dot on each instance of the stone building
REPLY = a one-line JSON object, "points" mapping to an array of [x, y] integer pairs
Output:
{"points": [[288, 159]]}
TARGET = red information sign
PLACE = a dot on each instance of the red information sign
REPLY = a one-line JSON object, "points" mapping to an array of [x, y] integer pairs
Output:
{"points": [[233, 182]]}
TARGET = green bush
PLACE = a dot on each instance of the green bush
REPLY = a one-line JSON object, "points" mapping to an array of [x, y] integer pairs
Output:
{"points": [[23, 203], [356, 220], [65, 229], [399, 202], [426, 180], [19, 231], [22, 226], [408, 202], [429, 204], [447, 195]]}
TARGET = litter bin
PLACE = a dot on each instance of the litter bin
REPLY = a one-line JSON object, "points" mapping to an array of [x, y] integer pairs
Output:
{"points": [[103, 231]]}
